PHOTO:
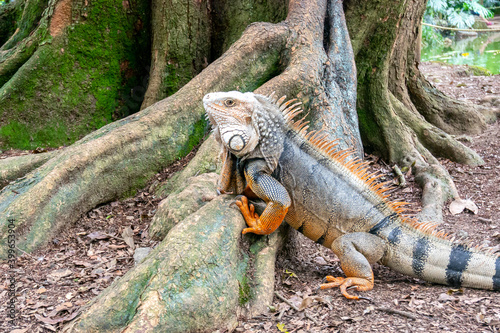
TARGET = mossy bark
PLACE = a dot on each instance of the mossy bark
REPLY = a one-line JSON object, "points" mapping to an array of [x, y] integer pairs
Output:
{"points": [[18, 166], [180, 46], [205, 160], [190, 196], [9, 13], [73, 72], [120, 157]]}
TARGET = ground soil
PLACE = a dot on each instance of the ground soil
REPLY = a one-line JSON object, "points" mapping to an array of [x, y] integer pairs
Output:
{"points": [[55, 282]]}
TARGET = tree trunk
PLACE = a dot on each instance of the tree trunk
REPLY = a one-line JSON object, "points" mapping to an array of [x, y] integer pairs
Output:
{"points": [[402, 117], [307, 56], [188, 36], [69, 67]]}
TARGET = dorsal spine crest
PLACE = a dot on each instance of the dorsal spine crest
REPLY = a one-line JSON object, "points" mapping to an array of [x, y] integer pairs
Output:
{"points": [[346, 159]]}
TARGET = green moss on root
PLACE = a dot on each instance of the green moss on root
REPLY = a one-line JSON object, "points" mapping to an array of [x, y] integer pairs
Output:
{"points": [[244, 291], [479, 71]]}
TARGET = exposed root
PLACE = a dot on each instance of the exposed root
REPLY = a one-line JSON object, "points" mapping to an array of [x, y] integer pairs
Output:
{"points": [[24, 42], [156, 75], [432, 138], [92, 170], [448, 114], [15, 167], [11, 60], [436, 183], [437, 187]]}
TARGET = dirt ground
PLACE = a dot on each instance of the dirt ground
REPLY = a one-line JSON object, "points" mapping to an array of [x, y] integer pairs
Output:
{"points": [[81, 261]]}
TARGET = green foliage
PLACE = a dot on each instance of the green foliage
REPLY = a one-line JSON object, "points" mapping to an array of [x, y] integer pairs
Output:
{"points": [[456, 13], [431, 38], [491, 3]]}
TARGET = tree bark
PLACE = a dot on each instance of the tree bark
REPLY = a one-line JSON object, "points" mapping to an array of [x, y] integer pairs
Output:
{"points": [[188, 36]]}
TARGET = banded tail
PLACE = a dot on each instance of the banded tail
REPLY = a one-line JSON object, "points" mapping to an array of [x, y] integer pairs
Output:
{"points": [[432, 258]]}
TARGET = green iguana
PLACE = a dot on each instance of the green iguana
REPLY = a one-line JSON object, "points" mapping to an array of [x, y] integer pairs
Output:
{"points": [[330, 197]]}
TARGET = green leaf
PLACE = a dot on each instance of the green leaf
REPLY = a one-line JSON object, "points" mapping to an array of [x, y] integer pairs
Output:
{"points": [[290, 273]]}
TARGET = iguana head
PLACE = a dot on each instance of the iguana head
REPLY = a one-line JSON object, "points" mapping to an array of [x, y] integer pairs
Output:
{"points": [[230, 114], [247, 125]]}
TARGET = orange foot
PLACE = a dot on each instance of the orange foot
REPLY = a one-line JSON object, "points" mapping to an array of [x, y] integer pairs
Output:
{"points": [[343, 283], [251, 218]]}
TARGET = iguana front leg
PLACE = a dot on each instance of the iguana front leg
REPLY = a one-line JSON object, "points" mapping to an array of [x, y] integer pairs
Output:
{"points": [[356, 252], [230, 180], [272, 192]]}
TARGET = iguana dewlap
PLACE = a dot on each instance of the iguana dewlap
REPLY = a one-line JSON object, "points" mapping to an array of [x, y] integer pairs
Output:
{"points": [[330, 198]]}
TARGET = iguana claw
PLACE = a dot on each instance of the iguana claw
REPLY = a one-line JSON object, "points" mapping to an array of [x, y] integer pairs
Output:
{"points": [[248, 212], [347, 283]]}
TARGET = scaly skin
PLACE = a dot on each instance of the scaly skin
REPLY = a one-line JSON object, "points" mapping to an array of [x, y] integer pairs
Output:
{"points": [[330, 198]]}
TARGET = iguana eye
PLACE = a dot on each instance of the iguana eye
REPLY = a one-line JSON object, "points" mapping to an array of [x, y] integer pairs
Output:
{"points": [[236, 143], [229, 102]]}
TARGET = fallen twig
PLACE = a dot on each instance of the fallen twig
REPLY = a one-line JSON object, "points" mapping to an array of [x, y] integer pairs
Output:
{"points": [[115, 237], [399, 312], [26, 253], [295, 308]]}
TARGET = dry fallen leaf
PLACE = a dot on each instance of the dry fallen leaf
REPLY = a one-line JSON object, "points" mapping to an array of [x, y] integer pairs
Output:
{"points": [[20, 330], [56, 275], [127, 236], [97, 235], [444, 297], [41, 290], [111, 264], [81, 263], [320, 260], [472, 300], [39, 305], [57, 320], [306, 302], [457, 206], [369, 309]]}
